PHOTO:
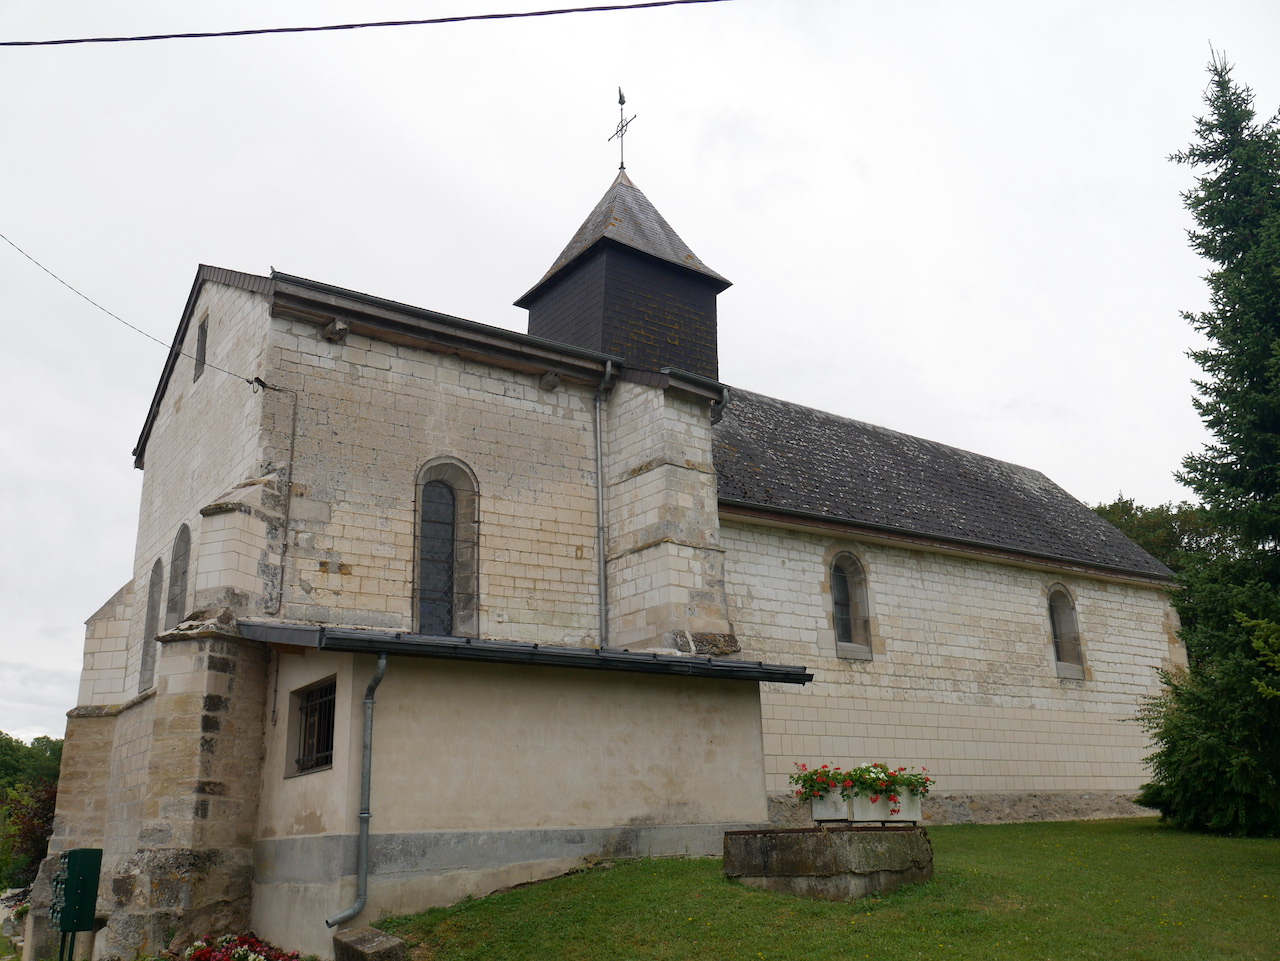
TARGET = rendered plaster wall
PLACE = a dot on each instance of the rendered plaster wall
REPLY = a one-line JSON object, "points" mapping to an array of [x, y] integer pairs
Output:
{"points": [[963, 678], [371, 415], [486, 775]]}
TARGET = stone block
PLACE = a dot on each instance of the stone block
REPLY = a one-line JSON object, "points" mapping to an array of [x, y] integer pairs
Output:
{"points": [[831, 864], [367, 944]]}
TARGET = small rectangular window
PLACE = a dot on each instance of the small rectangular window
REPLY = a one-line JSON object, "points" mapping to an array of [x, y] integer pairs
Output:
{"points": [[202, 346], [315, 727]]}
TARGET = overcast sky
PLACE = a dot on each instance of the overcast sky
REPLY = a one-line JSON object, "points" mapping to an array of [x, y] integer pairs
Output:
{"points": [[953, 219]]}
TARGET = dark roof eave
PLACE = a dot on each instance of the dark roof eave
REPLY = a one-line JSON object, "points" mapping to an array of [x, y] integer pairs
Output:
{"points": [[720, 283], [745, 508], [357, 641]]}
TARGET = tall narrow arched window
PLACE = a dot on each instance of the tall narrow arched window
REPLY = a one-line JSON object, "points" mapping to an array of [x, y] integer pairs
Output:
{"points": [[851, 614], [1067, 650], [436, 534], [151, 626], [446, 591], [176, 603]]}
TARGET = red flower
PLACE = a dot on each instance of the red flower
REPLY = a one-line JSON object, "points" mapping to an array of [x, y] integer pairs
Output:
{"points": [[875, 799]]}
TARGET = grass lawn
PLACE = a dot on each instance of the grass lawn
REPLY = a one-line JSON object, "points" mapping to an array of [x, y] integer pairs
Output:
{"points": [[1122, 890]]}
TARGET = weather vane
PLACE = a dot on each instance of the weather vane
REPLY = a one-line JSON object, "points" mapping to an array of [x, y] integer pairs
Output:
{"points": [[621, 131]]}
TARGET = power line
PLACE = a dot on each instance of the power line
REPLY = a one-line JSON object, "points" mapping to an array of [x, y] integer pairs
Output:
{"points": [[139, 330], [351, 26]]}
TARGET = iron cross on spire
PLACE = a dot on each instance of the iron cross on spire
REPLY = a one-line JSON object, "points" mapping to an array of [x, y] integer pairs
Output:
{"points": [[621, 132]]}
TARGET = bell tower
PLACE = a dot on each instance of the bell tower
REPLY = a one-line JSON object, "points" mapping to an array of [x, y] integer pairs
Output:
{"points": [[626, 284]]}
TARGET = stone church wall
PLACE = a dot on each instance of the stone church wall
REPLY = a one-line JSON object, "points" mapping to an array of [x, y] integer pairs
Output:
{"points": [[205, 440], [666, 585], [104, 673], [371, 414], [962, 678]]}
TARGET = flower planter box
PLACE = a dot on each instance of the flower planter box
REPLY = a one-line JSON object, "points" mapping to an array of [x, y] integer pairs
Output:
{"points": [[830, 807], [828, 781], [908, 808]]}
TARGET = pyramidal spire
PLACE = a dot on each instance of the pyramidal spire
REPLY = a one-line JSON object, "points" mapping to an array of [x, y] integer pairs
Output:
{"points": [[625, 216], [627, 284]]}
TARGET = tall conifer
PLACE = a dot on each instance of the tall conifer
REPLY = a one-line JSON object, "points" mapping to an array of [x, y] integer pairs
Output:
{"points": [[1217, 763]]}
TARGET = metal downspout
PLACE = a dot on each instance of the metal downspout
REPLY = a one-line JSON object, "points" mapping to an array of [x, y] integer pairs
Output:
{"points": [[602, 577], [362, 839]]}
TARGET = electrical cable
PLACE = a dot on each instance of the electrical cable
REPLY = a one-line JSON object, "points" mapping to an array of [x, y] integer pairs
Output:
{"points": [[247, 380], [352, 26]]}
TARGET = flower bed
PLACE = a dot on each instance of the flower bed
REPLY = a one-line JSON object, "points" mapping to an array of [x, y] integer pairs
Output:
{"points": [[237, 947]]}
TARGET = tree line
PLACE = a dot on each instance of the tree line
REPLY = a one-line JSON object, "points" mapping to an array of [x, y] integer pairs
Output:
{"points": [[28, 792]]}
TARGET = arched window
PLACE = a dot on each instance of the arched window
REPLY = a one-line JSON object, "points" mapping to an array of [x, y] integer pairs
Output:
{"points": [[176, 603], [151, 626], [436, 536], [447, 586], [851, 614], [1067, 650]]}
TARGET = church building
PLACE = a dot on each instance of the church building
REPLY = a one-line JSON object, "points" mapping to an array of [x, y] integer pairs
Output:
{"points": [[422, 608]]}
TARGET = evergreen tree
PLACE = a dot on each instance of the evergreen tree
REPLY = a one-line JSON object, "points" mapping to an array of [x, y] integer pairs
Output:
{"points": [[1217, 763]]}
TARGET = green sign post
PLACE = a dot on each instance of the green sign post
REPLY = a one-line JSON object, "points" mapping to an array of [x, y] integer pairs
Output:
{"points": [[75, 896]]}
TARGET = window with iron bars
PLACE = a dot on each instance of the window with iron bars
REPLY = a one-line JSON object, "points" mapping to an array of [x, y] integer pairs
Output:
{"points": [[315, 727]]}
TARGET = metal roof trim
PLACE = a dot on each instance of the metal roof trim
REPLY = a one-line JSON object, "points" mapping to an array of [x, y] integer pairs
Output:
{"points": [[382, 313], [359, 641]]}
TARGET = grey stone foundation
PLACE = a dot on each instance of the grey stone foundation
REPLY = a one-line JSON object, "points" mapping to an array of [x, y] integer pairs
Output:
{"points": [[785, 811]]}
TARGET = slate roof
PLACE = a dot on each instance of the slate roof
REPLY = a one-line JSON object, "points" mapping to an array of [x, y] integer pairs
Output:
{"points": [[773, 455], [626, 216]]}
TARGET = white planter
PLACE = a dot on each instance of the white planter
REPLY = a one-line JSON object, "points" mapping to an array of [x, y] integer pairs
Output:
{"points": [[907, 808], [830, 807]]}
